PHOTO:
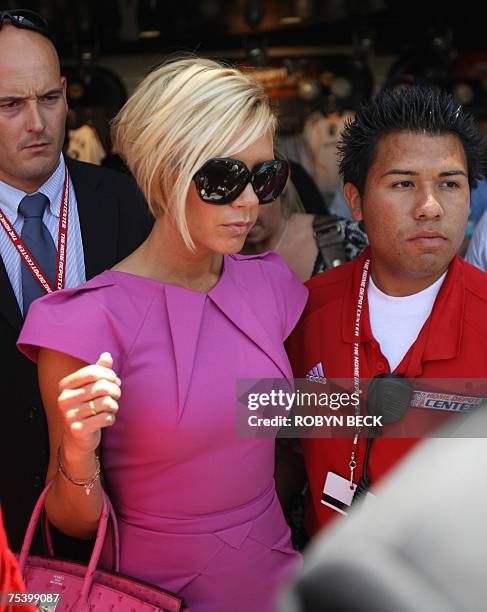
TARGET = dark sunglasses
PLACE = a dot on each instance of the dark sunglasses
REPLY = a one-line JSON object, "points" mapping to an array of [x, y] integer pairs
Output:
{"points": [[27, 20], [222, 179]]}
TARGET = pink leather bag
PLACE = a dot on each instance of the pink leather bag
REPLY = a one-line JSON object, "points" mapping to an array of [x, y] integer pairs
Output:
{"points": [[83, 589]]}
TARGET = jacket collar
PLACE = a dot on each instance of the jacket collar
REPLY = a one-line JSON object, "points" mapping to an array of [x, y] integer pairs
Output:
{"points": [[97, 210], [9, 307], [446, 319], [350, 300], [98, 217], [444, 325]]}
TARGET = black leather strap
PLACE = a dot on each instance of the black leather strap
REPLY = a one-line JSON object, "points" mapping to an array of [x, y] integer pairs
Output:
{"points": [[329, 240]]}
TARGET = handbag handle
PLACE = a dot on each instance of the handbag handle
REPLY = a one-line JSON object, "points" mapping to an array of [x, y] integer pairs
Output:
{"points": [[106, 513], [115, 536]]}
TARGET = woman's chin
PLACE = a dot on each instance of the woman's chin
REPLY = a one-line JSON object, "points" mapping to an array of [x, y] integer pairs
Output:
{"points": [[230, 246]]}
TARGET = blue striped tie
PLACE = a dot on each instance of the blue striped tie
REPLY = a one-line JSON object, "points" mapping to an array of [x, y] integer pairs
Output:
{"points": [[38, 240]]}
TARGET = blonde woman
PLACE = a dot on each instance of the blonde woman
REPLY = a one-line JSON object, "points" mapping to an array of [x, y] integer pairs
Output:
{"points": [[182, 319]]}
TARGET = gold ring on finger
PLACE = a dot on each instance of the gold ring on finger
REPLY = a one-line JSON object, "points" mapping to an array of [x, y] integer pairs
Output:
{"points": [[91, 406]]}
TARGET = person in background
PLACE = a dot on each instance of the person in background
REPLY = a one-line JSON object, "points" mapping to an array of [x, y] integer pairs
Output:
{"points": [[182, 318], [305, 193], [478, 201], [408, 161], [309, 243], [477, 247], [107, 218]]}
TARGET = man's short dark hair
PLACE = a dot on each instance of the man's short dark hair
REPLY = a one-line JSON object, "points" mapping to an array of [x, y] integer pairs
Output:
{"points": [[419, 110]]}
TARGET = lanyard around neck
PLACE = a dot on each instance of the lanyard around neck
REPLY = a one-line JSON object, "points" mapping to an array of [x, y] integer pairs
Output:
{"points": [[356, 362], [27, 256]]}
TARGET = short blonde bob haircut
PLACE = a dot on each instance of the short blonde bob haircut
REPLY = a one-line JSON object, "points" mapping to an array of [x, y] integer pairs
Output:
{"points": [[182, 114]]}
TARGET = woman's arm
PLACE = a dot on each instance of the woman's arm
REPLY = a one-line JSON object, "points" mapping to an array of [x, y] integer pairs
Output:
{"points": [[72, 392]]}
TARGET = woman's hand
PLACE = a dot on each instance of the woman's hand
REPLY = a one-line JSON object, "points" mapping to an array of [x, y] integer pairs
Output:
{"points": [[88, 401]]}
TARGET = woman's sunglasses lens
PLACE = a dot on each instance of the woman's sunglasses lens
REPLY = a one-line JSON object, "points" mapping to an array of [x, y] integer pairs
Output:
{"points": [[270, 181], [221, 181]]}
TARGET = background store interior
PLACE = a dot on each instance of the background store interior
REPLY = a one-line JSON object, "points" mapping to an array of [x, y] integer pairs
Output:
{"points": [[317, 58]]}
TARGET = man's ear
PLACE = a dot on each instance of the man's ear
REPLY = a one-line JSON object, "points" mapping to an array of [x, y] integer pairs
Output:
{"points": [[64, 86], [354, 201]]}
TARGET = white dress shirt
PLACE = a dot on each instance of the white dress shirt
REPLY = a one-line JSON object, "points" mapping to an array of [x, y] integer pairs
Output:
{"points": [[10, 198]]}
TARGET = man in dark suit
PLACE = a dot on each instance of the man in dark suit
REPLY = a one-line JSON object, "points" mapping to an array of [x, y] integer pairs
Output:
{"points": [[107, 219]]}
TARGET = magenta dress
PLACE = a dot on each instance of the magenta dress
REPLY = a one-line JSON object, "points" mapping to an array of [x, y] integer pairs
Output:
{"points": [[196, 503]]}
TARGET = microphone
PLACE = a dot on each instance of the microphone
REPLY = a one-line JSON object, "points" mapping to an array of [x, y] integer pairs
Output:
{"points": [[388, 396]]}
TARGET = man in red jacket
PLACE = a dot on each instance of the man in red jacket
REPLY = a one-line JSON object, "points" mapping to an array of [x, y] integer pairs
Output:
{"points": [[408, 305]]}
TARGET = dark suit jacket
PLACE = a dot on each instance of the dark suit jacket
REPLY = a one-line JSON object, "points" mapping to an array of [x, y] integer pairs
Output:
{"points": [[114, 220]]}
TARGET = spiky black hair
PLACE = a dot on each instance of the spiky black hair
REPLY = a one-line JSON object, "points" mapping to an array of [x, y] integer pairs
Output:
{"points": [[419, 109]]}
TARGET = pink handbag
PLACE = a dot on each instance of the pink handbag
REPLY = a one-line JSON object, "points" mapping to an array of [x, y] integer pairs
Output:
{"points": [[83, 589]]}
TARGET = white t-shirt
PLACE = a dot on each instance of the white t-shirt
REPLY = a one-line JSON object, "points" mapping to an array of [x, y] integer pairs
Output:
{"points": [[397, 321]]}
